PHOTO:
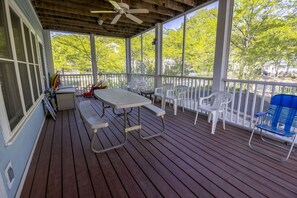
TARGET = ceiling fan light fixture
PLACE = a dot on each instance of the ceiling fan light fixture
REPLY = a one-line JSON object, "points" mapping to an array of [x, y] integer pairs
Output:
{"points": [[100, 21]]}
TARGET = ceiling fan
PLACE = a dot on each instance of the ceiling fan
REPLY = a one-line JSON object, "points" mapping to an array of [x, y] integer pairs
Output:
{"points": [[120, 9]]}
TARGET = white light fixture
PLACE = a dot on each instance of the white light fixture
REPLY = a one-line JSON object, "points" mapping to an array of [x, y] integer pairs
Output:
{"points": [[100, 21]]}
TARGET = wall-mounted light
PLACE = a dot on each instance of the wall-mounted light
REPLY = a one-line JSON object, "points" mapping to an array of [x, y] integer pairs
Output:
{"points": [[155, 41]]}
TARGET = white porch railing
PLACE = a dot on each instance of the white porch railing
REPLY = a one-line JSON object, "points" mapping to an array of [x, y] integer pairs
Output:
{"points": [[198, 87], [149, 79], [250, 97], [115, 80], [80, 81]]}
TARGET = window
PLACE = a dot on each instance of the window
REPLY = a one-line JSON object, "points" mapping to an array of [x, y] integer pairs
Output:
{"points": [[200, 41], [71, 52], [110, 54], [11, 94], [5, 49], [17, 35], [17, 72], [19, 46], [136, 65], [25, 85], [28, 43], [148, 50], [172, 47], [263, 41], [143, 53]]}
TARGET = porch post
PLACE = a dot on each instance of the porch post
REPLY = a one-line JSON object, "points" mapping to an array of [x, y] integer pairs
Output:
{"points": [[222, 44], [48, 52], [94, 60], [158, 56], [128, 59]]}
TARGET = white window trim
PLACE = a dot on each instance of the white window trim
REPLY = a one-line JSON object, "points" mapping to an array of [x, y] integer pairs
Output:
{"points": [[8, 134]]}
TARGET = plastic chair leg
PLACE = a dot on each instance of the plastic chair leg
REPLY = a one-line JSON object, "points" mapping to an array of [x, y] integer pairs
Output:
{"points": [[214, 122], [196, 118], [175, 106], [224, 118]]}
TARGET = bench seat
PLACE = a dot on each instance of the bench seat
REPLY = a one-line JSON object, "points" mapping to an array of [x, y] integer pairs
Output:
{"points": [[95, 122], [90, 116], [154, 109], [159, 113]]}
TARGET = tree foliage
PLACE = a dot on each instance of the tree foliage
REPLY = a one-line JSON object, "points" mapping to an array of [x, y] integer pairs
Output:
{"points": [[263, 35]]}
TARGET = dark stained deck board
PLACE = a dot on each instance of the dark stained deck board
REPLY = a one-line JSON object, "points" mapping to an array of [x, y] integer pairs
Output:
{"points": [[255, 169], [54, 184], [32, 170], [39, 185], [97, 176], [69, 179], [185, 161], [85, 187]]}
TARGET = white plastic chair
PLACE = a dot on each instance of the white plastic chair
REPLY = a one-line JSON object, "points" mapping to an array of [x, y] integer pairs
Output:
{"points": [[178, 94], [161, 92], [214, 104]]}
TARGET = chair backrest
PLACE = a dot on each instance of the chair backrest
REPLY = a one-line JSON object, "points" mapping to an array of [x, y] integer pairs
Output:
{"points": [[220, 99], [282, 112], [181, 89], [166, 87]]}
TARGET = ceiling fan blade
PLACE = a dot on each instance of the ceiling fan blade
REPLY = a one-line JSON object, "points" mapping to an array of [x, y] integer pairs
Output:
{"points": [[115, 5], [138, 11], [134, 18], [97, 11], [115, 19]]}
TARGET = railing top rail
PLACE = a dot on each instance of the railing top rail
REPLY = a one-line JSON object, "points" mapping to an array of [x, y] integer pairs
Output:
{"points": [[75, 74], [193, 77], [151, 75], [262, 82], [113, 73]]}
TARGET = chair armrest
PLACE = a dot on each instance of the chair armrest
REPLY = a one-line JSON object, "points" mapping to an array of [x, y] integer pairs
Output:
{"points": [[260, 114], [203, 98], [170, 93], [159, 90], [182, 95]]}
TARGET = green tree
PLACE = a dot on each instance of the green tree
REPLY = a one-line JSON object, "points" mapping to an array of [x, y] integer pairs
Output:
{"points": [[71, 52], [201, 42], [110, 54], [262, 34]]}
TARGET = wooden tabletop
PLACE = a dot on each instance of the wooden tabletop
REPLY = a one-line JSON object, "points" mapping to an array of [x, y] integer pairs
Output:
{"points": [[119, 98]]}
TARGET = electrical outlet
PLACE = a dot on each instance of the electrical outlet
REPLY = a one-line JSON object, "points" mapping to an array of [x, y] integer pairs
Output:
{"points": [[9, 173]]}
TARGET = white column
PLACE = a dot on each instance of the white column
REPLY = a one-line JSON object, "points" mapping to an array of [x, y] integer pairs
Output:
{"points": [[49, 64], [158, 51], [222, 44], [94, 60], [128, 59]]}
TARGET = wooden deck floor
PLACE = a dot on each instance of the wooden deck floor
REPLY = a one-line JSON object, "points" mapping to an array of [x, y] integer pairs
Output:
{"points": [[186, 161]]}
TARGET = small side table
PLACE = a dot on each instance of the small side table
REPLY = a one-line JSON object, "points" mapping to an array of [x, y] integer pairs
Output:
{"points": [[146, 93], [66, 98]]}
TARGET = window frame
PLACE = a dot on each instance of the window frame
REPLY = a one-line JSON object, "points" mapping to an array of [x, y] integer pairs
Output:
{"points": [[8, 134], [184, 15]]}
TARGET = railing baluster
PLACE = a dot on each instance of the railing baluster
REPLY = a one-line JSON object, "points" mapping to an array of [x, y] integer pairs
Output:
{"points": [[262, 98], [254, 105], [246, 103], [239, 103], [233, 101]]}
